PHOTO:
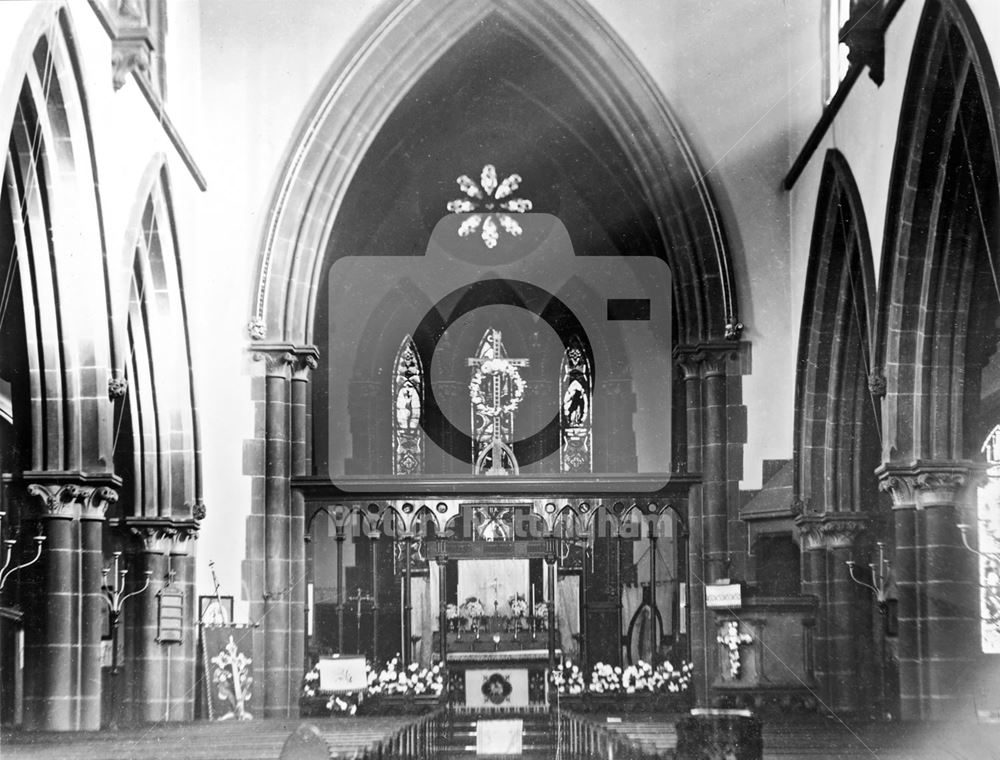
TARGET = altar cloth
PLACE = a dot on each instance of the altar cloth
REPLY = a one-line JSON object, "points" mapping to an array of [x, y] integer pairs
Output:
{"points": [[499, 737]]}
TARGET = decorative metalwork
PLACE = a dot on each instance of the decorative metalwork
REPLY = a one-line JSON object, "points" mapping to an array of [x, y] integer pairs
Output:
{"points": [[6, 571], [576, 393], [880, 573], [485, 199], [495, 391], [408, 403]]}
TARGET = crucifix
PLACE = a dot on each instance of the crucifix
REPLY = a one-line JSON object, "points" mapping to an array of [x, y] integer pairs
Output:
{"points": [[360, 597], [497, 388]]}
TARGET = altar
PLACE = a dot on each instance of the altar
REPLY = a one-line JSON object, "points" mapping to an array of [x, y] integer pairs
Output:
{"points": [[499, 672]]}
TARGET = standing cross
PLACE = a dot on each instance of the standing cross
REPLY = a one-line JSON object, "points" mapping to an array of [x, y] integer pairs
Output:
{"points": [[497, 445], [360, 597]]}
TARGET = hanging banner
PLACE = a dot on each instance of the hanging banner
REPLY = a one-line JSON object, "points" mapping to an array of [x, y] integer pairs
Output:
{"points": [[227, 652]]}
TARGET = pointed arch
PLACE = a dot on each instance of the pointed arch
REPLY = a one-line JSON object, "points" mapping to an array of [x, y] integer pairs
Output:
{"points": [[836, 415], [59, 264], [156, 407], [323, 159], [940, 253]]}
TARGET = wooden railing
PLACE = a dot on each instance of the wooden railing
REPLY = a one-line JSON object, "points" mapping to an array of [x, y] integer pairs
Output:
{"points": [[581, 738]]}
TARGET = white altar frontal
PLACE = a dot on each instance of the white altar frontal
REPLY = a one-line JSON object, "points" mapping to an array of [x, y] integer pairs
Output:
{"points": [[497, 681]]}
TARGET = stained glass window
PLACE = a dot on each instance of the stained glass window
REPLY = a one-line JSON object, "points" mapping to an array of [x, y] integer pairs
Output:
{"points": [[495, 391], [576, 409], [408, 398]]}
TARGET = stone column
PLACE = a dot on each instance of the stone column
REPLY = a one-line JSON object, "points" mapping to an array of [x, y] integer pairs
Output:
{"points": [[300, 448], [706, 370], [146, 665], [275, 538], [937, 585], [66, 655], [843, 639], [181, 657]]}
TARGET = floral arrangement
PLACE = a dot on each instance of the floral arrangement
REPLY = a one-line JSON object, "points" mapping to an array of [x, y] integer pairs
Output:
{"points": [[732, 639], [641, 678], [518, 606], [451, 612], [472, 610], [542, 611], [494, 407], [568, 679], [413, 680], [337, 703]]}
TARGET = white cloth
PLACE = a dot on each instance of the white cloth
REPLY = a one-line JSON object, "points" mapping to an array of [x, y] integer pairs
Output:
{"points": [[424, 616], [492, 580], [568, 612], [499, 737]]}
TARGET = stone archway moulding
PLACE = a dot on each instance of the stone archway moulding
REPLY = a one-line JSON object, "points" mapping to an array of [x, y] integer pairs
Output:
{"points": [[398, 45]]}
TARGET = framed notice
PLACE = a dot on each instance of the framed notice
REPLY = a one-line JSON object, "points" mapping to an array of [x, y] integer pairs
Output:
{"points": [[213, 610], [724, 596], [342, 674], [170, 620]]}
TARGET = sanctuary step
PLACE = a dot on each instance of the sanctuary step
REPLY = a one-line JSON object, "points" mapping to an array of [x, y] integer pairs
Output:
{"points": [[537, 735], [229, 740]]}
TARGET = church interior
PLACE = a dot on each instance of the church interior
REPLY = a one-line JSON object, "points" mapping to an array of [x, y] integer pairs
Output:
{"points": [[522, 355]]}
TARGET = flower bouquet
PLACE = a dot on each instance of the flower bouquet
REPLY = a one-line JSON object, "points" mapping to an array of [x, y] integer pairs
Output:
{"points": [[472, 612], [541, 613], [640, 687], [518, 610], [452, 615]]}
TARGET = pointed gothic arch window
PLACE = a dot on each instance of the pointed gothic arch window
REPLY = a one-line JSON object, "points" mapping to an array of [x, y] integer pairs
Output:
{"points": [[576, 398], [407, 407]]}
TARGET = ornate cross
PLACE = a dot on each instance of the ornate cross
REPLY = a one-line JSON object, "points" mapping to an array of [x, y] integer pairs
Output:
{"points": [[501, 398]]}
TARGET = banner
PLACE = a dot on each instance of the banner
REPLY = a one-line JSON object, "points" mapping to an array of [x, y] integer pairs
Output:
{"points": [[227, 654]]}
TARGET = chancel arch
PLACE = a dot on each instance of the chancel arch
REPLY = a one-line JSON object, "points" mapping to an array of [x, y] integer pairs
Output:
{"points": [[594, 147], [937, 338]]}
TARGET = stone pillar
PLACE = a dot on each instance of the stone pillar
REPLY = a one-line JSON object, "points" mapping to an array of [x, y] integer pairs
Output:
{"points": [[300, 448], [275, 532], [146, 664], [843, 640], [181, 657], [707, 371], [65, 658], [937, 585]]}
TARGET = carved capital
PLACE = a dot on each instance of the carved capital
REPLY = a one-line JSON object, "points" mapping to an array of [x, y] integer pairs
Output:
{"points": [[833, 530], [877, 384], [705, 361], [73, 500], [277, 359], [162, 536], [155, 537], [306, 360], [927, 483]]}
